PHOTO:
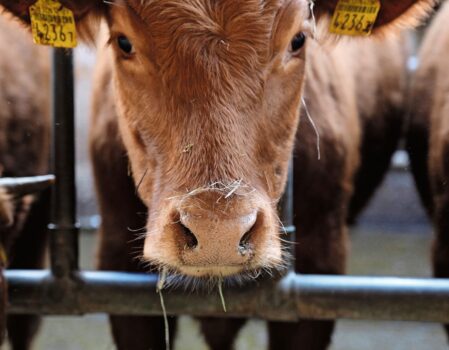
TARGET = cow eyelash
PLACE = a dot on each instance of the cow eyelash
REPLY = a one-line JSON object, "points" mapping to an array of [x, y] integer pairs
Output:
{"points": [[297, 43], [123, 44]]}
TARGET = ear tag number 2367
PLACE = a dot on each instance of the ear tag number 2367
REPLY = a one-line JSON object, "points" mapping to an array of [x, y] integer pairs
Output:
{"points": [[355, 17], [53, 24]]}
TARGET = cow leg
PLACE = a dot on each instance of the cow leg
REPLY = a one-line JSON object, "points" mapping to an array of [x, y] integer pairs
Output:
{"points": [[303, 335], [418, 135], [321, 249], [120, 246], [220, 334], [380, 140], [119, 251], [141, 333], [28, 252], [320, 200], [440, 257]]}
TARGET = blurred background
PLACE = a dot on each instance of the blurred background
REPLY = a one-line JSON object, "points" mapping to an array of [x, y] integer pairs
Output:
{"points": [[393, 237]]}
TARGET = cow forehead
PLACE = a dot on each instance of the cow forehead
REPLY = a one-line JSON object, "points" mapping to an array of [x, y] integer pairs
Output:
{"points": [[204, 8], [226, 43], [227, 19]]}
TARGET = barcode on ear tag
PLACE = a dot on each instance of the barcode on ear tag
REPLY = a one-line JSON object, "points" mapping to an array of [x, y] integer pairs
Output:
{"points": [[354, 17], [52, 24]]}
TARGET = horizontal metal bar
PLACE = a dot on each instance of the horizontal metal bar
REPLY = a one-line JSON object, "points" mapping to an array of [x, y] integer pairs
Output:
{"points": [[295, 296]]}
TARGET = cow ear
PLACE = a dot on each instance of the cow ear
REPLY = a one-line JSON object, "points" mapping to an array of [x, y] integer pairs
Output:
{"points": [[85, 12], [408, 13], [87, 16], [80, 8], [19, 9]]}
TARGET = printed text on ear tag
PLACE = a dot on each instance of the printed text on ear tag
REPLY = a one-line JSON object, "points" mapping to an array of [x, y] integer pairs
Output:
{"points": [[354, 17], [53, 24]]}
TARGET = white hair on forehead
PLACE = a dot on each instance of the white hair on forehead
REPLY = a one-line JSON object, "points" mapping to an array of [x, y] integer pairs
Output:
{"points": [[142, 4], [110, 2], [114, 2], [145, 3]]}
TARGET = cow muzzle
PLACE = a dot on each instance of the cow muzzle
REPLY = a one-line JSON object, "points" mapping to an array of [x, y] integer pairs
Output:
{"points": [[209, 234]]}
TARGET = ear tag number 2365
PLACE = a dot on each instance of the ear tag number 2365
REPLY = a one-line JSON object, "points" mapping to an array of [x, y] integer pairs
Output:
{"points": [[355, 17], [53, 24]]}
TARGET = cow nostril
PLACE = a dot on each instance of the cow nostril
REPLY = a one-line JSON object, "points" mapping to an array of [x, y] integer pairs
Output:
{"points": [[191, 240], [245, 241]]}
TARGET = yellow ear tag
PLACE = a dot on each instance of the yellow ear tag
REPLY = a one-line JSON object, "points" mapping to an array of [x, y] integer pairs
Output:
{"points": [[52, 24], [354, 17]]}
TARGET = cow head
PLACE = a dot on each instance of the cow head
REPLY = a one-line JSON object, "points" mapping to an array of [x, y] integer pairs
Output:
{"points": [[208, 94]]}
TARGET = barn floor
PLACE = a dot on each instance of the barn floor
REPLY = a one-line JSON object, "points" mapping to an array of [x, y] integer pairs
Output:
{"points": [[393, 238]]}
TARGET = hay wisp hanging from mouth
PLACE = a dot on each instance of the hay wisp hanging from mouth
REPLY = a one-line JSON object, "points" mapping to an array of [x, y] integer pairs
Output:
{"points": [[220, 291], [160, 286]]}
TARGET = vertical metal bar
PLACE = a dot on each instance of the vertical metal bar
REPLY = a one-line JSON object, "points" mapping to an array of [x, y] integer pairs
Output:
{"points": [[63, 227], [286, 212]]}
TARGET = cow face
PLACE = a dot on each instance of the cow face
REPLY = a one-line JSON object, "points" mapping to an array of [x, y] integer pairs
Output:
{"points": [[211, 129], [208, 94]]}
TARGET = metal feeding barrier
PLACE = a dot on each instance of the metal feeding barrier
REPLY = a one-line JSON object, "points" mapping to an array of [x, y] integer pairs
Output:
{"points": [[64, 289]]}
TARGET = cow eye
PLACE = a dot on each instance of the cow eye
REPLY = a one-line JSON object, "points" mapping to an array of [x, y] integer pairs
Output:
{"points": [[125, 45], [297, 42]]}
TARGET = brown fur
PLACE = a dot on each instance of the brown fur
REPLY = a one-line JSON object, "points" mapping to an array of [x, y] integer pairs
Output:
{"points": [[24, 151], [429, 134], [322, 188], [318, 193], [220, 121], [382, 77]]}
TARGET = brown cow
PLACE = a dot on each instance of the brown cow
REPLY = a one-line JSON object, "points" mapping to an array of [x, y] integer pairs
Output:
{"points": [[24, 151], [202, 99], [428, 137]]}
